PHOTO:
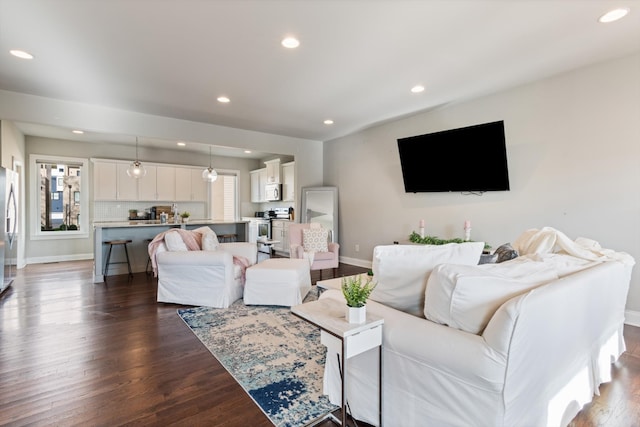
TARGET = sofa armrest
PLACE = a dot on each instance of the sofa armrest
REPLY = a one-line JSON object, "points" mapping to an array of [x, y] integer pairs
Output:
{"points": [[244, 249], [296, 251]]}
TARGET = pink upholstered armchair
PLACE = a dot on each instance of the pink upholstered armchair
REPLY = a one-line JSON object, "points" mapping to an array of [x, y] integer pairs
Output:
{"points": [[322, 259]]}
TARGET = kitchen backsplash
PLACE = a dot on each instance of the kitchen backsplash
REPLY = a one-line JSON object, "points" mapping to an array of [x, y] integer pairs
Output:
{"points": [[119, 211]]}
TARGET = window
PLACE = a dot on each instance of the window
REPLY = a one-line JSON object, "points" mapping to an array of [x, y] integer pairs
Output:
{"points": [[59, 196], [224, 198]]}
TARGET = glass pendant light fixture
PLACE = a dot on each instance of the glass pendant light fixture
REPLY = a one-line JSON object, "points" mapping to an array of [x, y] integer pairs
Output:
{"points": [[135, 169], [209, 174]]}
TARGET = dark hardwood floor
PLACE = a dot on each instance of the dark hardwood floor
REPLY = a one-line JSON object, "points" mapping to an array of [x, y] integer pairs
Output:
{"points": [[77, 353]]}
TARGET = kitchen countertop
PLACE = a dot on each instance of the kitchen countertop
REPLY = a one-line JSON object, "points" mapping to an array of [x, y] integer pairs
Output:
{"points": [[156, 223]]}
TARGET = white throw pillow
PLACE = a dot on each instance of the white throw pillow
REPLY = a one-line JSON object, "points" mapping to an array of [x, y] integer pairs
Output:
{"points": [[174, 242], [210, 242], [465, 297], [401, 271], [315, 239]]}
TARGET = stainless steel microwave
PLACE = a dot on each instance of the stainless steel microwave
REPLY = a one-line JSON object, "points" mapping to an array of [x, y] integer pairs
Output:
{"points": [[273, 192]]}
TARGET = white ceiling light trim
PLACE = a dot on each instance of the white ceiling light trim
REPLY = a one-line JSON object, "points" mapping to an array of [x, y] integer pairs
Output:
{"points": [[21, 54], [417, 89], [290, 42], [614, 15], [223, 99], [328, 122]]}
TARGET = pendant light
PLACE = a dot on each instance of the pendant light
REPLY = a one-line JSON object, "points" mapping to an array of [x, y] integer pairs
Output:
{"points": [[135, 169], [209, 174]]}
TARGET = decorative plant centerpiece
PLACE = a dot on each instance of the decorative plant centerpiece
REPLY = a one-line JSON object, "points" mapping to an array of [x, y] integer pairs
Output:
{"points": [[432, 240], [185, 216], [356, 293]]}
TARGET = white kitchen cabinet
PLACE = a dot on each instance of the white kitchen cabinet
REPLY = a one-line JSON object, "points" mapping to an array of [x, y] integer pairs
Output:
{"points": [[105, 186], [258, 181], [288, 182], [199, 187], [280, 232], [147, 185], [111, 182], [166, 183], [273, 171], [127, 186], [159, 184]]}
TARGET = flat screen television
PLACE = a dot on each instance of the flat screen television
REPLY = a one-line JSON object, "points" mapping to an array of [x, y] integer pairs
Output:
{"points": [[469, 159]]}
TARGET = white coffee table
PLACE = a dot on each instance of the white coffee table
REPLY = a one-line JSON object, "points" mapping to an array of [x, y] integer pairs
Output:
{"points": [[329, 316]]}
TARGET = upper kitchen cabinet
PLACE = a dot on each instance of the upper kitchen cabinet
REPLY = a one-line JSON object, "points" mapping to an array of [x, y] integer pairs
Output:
{"points": [[190, 187], [147, 185], [166, 182], [111, 182], [273, 171], [288, 182], [105, 186], [258, 180], [159, 184], [127, 188]]}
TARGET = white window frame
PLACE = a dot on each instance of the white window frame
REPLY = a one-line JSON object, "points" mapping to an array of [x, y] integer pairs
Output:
{"points": [[34, 198]]}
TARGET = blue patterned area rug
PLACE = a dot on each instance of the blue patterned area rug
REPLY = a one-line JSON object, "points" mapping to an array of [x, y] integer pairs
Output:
{"points": [[275, 356]]}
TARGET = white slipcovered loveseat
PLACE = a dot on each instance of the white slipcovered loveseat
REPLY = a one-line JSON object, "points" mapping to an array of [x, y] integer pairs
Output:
{"points": [[193, 268], [523, 343]]}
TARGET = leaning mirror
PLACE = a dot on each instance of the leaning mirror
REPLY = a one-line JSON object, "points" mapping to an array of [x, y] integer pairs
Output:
{"points": [[320, 205]]}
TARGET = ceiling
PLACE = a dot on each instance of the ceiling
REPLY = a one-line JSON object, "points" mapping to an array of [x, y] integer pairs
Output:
{"points": [[356, 63]]}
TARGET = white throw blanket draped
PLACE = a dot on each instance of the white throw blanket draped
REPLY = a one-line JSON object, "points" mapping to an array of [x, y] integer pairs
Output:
{"points": [[550, 240]]}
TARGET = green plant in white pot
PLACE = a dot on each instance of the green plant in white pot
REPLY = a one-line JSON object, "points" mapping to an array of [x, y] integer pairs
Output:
{"points": [[356, 293]]}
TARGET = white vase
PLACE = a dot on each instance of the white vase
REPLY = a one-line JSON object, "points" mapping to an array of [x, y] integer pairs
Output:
{"points": [[356, 314]]}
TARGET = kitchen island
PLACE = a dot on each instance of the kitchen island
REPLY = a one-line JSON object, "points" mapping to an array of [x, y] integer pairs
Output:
{"points": [[139, 231]]}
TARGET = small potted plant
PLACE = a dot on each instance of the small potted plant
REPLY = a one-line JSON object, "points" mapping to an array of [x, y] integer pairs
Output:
{"points": [[185, 216], [356, 293]]}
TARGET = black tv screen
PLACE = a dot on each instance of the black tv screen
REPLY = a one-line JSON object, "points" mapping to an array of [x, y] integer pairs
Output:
{"points": [[468, 159]]}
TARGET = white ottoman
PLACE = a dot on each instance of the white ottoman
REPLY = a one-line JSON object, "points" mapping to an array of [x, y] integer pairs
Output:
{"points": [[277, 281]]}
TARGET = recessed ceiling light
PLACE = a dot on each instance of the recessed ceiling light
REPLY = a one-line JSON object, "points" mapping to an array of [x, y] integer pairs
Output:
{"points": [[290, 42], [614, 15], [21, 54], [181, 144], [328, 122], [417, 89], [223, 99], [77, 131], [247, 151]]}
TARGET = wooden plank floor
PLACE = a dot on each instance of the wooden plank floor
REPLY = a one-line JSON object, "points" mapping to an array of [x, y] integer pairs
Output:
{"points": [[77, 353]]}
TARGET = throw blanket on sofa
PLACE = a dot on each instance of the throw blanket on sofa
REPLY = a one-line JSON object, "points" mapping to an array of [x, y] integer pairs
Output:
{"points": [[549, 240], [193, 241]]}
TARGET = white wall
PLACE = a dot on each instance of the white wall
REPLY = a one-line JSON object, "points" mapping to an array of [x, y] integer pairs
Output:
{"points": [[573, 146]]}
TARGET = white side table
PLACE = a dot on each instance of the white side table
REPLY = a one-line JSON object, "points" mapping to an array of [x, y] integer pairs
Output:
{"points": [[329, 316]]}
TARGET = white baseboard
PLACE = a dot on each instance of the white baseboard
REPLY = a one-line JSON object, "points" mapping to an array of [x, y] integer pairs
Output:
{"points": [[632, 318], [59, 258], [355, 261]]}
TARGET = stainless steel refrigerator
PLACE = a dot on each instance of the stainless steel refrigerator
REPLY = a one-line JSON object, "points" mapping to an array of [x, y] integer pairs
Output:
{"points": [[8, 226]]}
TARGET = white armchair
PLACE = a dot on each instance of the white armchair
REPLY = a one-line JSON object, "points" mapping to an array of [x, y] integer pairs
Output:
{"points": [[203, 277]]}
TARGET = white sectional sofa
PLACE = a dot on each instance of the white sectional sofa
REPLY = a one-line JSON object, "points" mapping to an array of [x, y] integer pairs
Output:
{"points": [[523, 343]]}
